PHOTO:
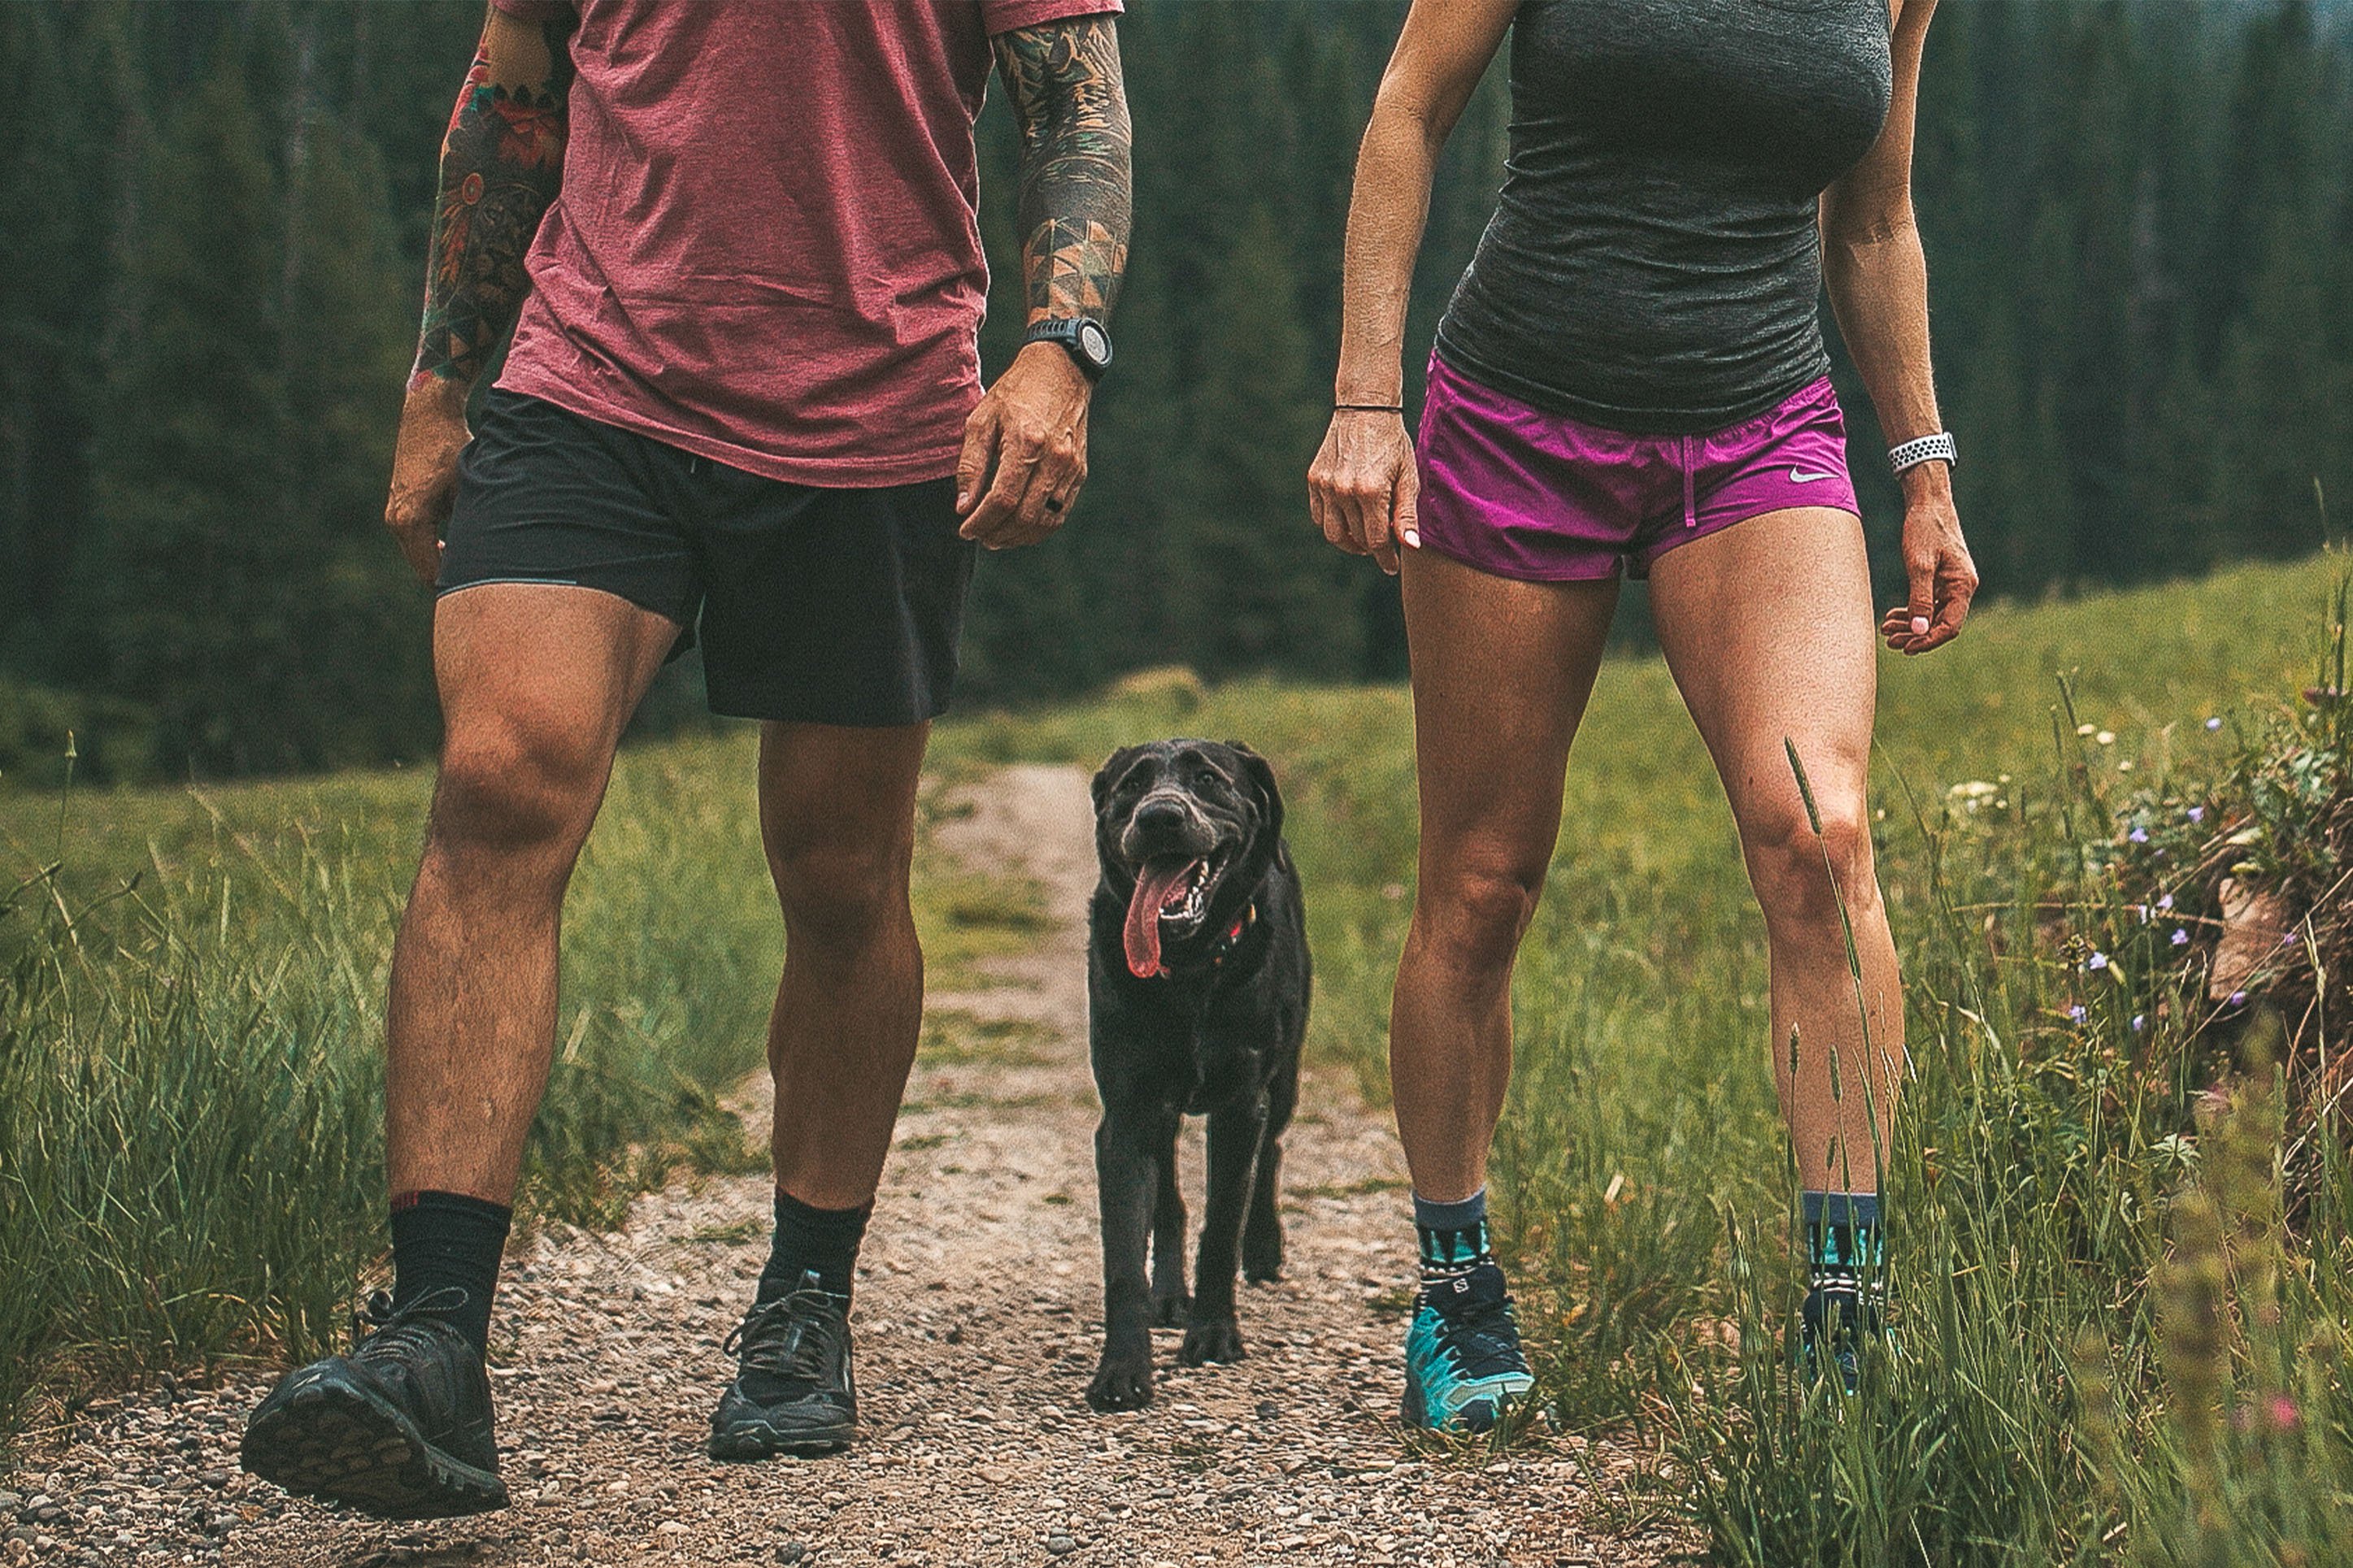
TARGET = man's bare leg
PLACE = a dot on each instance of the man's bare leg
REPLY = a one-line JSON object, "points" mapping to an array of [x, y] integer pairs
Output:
{"points": [[536, 684], [837, 817]]}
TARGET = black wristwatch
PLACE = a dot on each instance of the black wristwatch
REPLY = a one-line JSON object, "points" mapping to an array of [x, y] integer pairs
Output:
{"points": [[1083, 336]]}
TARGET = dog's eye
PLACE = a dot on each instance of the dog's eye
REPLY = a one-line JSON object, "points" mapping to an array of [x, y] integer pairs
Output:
{"points": [[1207, 780]]}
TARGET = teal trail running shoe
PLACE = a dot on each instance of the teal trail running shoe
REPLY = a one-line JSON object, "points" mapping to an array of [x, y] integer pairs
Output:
{"points": [[1463, 1366]]}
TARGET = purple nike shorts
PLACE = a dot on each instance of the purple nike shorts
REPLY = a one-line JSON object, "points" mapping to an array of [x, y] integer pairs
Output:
{"points": [[1517, 492]]}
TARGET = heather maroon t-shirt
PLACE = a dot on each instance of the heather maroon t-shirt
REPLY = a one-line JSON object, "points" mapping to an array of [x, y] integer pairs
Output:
{"points": [[764, 249]]}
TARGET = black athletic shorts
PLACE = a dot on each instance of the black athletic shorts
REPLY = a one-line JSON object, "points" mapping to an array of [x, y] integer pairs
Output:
{"points": [[816, 605]]}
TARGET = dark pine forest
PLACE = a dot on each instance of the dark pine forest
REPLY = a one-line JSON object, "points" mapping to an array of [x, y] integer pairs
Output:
{"points": [[2138, 218]]}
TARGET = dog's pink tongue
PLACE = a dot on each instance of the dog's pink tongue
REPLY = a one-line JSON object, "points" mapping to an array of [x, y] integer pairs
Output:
{"points": [[1153, 886]]}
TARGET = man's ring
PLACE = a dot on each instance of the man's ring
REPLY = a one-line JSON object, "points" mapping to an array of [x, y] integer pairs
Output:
{"points": [[1053, 503]]}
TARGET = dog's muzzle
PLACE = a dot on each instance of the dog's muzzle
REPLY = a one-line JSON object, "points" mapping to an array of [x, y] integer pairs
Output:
{"points": [[1175, 852]]}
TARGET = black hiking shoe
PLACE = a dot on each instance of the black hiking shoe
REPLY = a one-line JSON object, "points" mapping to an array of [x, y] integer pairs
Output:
{"points": [[400, 1428], [793, 1393]]}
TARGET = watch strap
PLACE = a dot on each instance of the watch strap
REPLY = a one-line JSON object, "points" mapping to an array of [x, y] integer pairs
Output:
{"points": [[1935, 448]]}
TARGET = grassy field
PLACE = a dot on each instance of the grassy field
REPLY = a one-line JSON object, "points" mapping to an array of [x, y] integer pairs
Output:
{"points": [[191, 1005], [187, 1080]]}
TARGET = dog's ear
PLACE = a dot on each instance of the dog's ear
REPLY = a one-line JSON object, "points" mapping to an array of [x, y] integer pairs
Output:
{"points": [[1118, 762], [1261, 773]]}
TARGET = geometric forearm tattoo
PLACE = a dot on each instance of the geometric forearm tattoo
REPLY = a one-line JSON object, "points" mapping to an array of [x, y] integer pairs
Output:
{"points": [[501, 163], [1077, 185]]}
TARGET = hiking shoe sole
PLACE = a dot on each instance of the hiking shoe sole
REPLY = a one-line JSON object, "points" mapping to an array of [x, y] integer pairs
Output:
{"points": [[331, 1439], [757, 1439]]}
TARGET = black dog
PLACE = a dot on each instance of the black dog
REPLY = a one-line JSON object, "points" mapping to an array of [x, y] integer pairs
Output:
{"points": [[1196, 981]]}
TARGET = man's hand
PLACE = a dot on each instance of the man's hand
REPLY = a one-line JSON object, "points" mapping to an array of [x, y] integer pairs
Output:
{"points": [[1025, 450], [424, 471], [1362, 487], [1937, 560]]}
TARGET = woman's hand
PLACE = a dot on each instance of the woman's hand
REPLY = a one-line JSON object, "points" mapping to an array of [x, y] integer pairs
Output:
{"points": [[1362, 486], [1937, 560]]}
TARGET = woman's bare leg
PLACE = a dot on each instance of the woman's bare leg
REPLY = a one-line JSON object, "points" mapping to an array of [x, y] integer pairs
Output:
{"points": [[1501, 673], [1767, 627]]}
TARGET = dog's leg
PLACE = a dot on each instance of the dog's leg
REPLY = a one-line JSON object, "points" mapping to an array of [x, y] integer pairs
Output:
{"points": [[1124, 1176], [1171, 1307], [1262, 1232], [1234, 1134]]}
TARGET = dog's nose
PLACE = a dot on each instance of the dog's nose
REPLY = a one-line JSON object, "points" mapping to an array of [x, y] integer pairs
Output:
{"points": [[1159, 816]]}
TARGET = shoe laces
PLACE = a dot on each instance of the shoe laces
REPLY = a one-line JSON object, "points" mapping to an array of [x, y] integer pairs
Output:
{"points": [[379, 1328], [780, 1337], [1481, 1337]]}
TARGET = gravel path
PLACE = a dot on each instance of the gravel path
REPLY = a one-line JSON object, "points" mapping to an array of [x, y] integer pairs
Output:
{"points": [[976, 1335]]}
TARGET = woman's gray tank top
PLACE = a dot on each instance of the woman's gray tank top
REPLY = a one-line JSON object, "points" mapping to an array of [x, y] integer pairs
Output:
{"points": [[1652, 265]]}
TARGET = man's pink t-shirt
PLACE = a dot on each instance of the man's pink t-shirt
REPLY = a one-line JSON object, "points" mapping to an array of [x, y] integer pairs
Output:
{"points": [[764, 251]]}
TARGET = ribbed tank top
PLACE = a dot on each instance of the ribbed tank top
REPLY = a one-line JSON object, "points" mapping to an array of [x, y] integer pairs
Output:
{"points": [[1652, 265]]}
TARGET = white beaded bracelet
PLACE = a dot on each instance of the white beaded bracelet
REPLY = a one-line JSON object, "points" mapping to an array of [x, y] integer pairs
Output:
{"points": [[1936, 448]]}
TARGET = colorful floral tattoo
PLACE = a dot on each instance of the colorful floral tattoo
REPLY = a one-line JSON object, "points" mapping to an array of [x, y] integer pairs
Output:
{"points": [[501, 162], [1067, 92]]}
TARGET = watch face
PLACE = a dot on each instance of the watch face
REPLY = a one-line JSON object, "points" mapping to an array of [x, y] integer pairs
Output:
{"points": [[1094, 342]]}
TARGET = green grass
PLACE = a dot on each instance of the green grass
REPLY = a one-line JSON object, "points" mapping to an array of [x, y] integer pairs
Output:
{"points": [[1642, 1161], [191, 1007], [187, 1078]]}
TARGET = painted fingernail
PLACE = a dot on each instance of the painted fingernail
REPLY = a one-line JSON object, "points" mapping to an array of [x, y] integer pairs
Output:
{"points": [[1412, 539], [1919, 625]]}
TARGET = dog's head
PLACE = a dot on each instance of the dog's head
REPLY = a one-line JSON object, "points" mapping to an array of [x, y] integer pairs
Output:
{"points": [[1186, 830]]}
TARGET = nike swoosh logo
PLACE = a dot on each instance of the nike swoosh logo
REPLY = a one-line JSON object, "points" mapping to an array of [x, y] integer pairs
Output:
{"points": [[1804, 479]]}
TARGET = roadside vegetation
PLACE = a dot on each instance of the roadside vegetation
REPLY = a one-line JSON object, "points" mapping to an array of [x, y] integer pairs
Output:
{"points": [[2120, 1190], [2119, 1215], [190, 1014]]}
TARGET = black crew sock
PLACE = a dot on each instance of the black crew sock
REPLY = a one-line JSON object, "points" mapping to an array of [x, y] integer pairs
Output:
{"points": [[444, 1239], [811, 1240], [1452, 1236]]}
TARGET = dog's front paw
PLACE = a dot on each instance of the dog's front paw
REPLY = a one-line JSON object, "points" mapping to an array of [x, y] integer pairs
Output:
{"points": [[1211, 1339], [1173, 1310], [1121, 1384]]}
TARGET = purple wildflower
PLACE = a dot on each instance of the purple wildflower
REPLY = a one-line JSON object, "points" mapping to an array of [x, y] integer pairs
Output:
{"points": [[2197, 813], [2180, 938], [2097, 961], [2165, 901], [2213, 723], [2138, 835], [2238, 998], [2140, 1022], [2076, 1011]]}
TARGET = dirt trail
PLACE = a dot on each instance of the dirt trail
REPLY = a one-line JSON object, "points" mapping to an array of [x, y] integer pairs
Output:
{"points": [[976, 1335]]}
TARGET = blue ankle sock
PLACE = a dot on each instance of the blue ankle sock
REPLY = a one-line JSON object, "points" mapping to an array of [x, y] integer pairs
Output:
{"points": [[1845, 1244], [1453, 1237]]}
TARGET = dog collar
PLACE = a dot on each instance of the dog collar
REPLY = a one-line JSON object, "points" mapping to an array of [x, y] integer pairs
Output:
{"points": [[1232, 939]]}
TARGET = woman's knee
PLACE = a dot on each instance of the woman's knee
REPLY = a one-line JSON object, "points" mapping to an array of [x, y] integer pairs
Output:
{"points": [[1473, 912], [1802, 875]]}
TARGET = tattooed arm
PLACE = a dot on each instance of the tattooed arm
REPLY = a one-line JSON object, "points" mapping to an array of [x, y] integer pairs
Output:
{"points": [[1065, 84], [1064, 78], [501, 163]]}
